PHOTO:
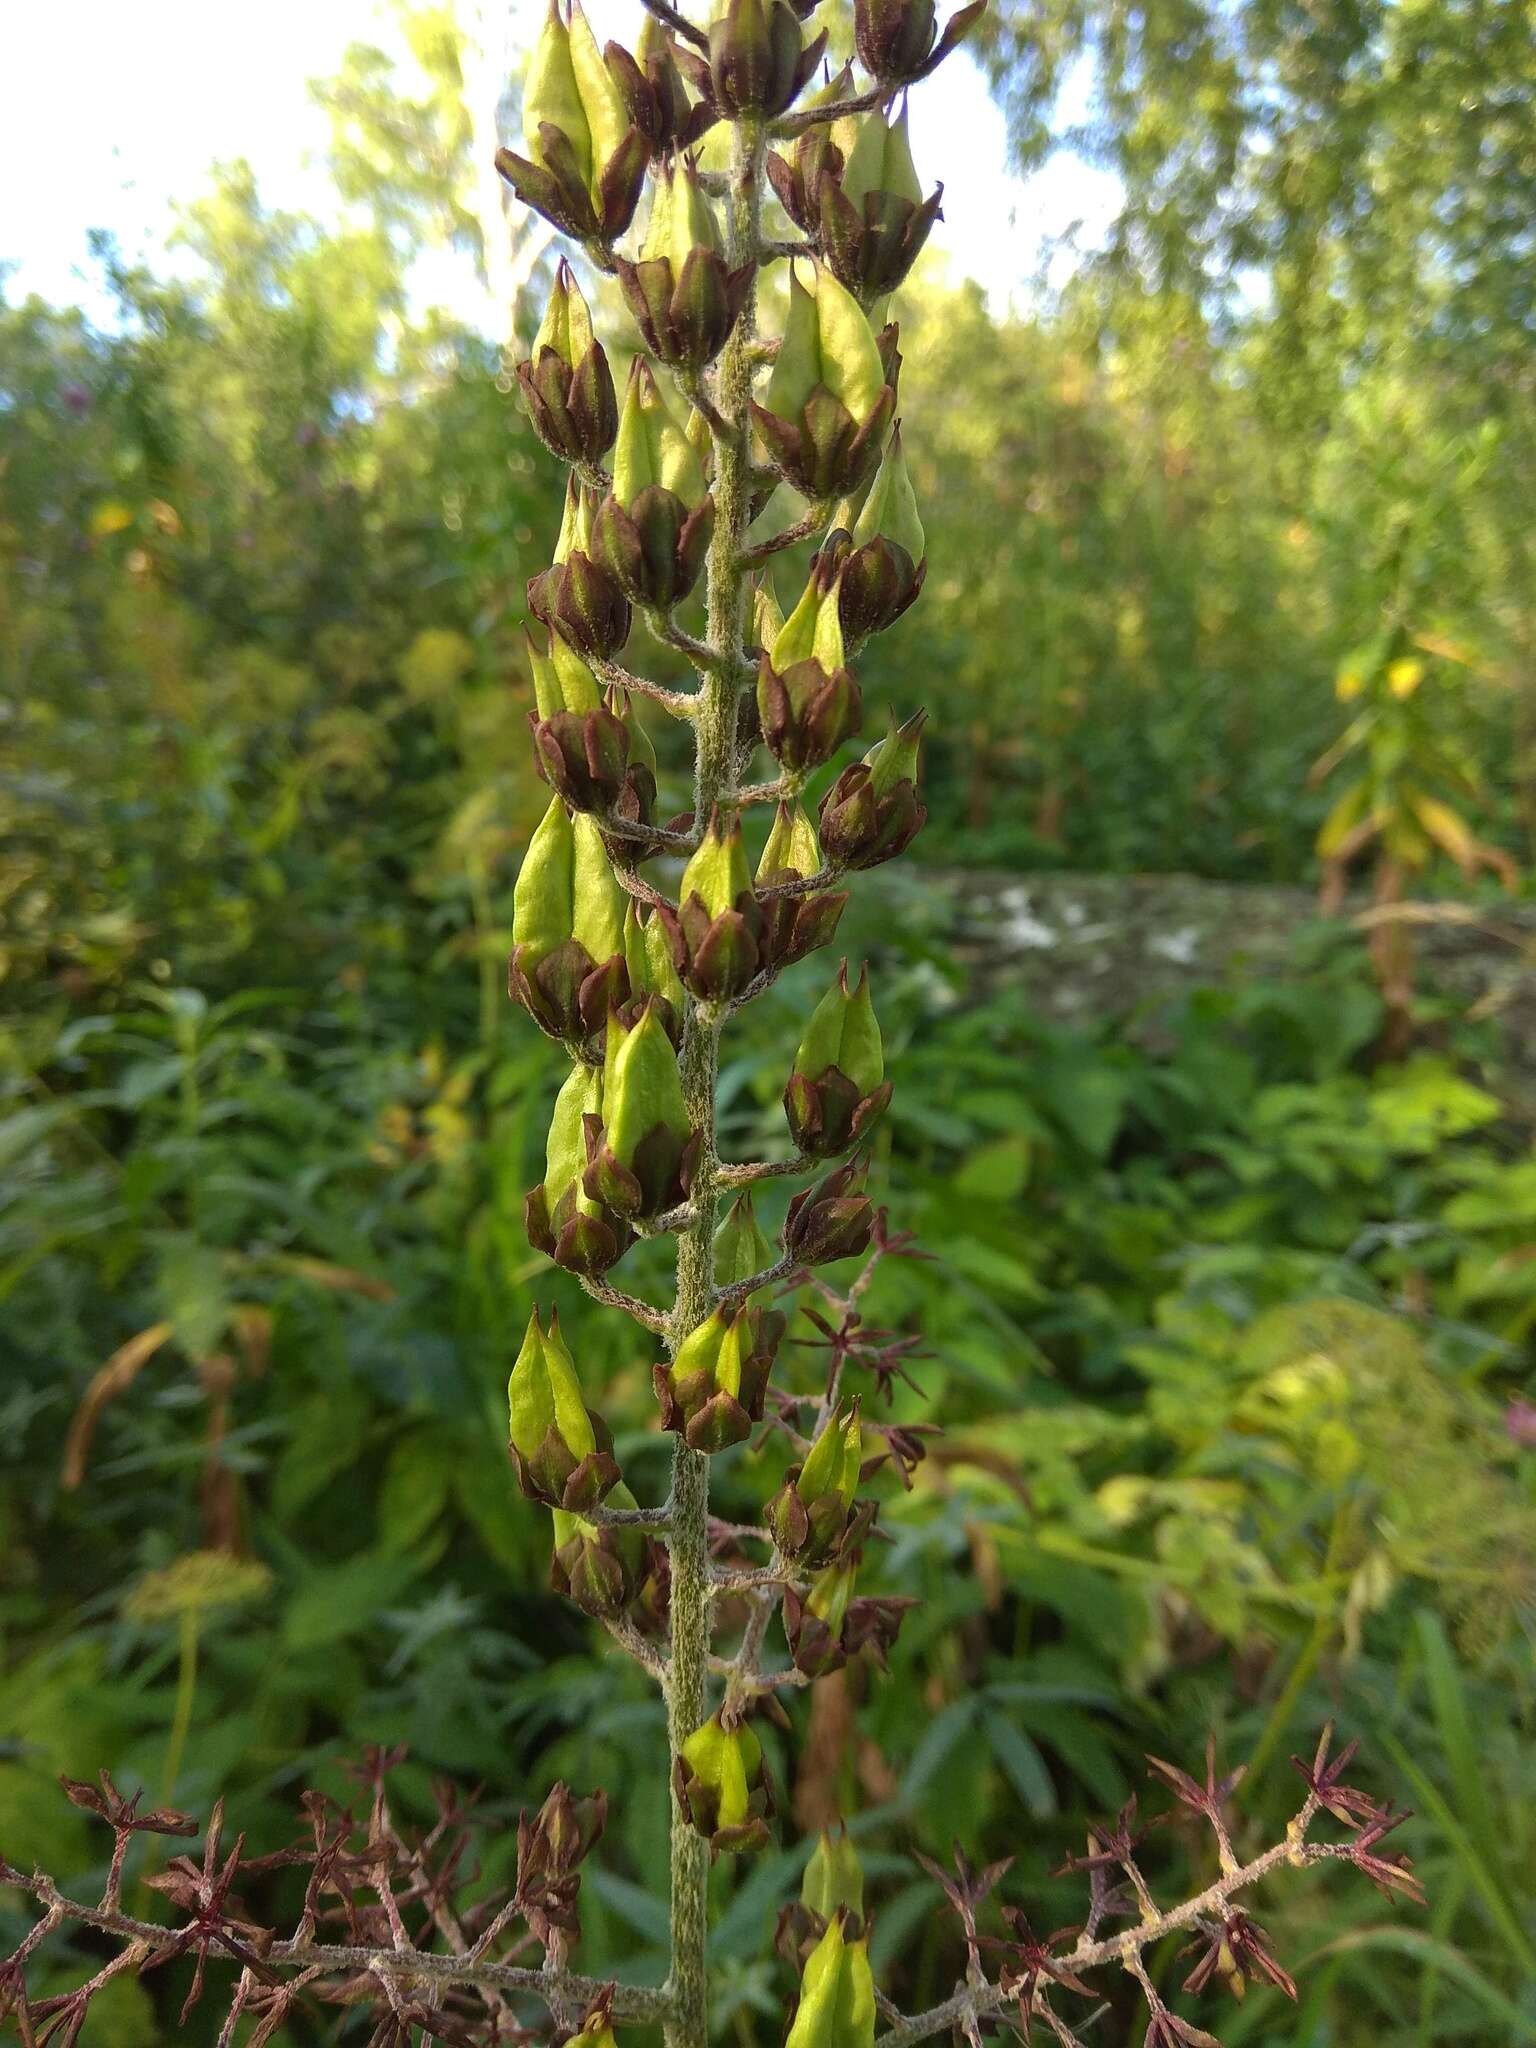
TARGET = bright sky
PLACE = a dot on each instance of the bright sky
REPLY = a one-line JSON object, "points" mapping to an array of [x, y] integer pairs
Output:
{"points": [[109, 114]]}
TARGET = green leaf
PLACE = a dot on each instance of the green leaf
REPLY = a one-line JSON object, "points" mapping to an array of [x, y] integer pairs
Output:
{"points": [[1022, 1765], [997, 1172], [337, 1601]]}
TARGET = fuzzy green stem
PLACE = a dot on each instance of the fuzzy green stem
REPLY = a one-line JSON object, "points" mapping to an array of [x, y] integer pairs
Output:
{"points": [[715, 776]]}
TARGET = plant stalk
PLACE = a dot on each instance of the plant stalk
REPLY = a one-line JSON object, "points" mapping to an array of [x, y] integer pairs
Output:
{"points": [[687, 2024]]}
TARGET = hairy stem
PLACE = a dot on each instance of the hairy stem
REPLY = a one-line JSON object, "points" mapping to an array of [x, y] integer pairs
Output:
{"points": [[687, 2024]]}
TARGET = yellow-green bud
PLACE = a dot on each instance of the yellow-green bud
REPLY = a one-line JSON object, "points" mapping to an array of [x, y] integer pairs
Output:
{"points": [[722, 1785], [827, 342], [605, 1568], [812, 1516], [837, 1086], [712, 1392], [648, 958], [831, 1469], [812, 632], [890, 510], [682, 219], [567, 926], [552, 95], [606, 115], [767, 613], [567, 323], [565, 1149], [791, 847], [834, 1877], [895, 758], [717, 872], [543, 1392], [575, 523], [843, 1032], [830, 1594], [641, 1088], [562, 1219], [741, 1249], [563, 1454], [652, 448], [881, 161], [837, 1995], [718, 924], [562, 681]]}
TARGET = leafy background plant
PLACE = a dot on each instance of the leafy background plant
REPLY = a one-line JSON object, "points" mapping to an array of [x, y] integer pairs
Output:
{"points": [[1224, 1334]]}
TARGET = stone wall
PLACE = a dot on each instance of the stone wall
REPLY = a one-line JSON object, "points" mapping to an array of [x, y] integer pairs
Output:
{"points": [[1117, 946]]}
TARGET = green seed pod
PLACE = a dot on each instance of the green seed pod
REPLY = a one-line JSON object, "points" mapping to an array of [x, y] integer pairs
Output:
{"points": [[652, 530], [832, 1884], [581, 746], [873, 219], [560, 1217], [873, 811], [767, 613], [812, 1515], [896, 42], [722, 1785], [834, 1880], [652, 976], [837, 1086], [741, 1249], [832, 1220], [654, 95], [886, 562], [837, 1994], [551, 96], [567, 385], [577, 596], [653, 452], [586, 159], [794, 924], [712, 1392], [563, 1452], [829, 399], [609, 1571], [716, 928], [808, 702], [757, 63], [684, 298], [640, 1162], [824, 146], [562, 681], [567, 966], [827, 1627]]}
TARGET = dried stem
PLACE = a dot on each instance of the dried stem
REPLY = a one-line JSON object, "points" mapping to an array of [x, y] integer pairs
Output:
{"points": [[679, 24], [973, 2002], [408, 1963]]}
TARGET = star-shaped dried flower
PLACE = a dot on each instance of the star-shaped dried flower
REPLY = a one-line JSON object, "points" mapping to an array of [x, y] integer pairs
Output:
{"points": [[1031, 1957], [1323, 1781], [1237, 1951], [967, 1889]]}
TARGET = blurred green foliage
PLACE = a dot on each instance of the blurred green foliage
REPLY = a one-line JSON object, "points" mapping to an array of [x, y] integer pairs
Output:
{"points": [[1219, 1334]]}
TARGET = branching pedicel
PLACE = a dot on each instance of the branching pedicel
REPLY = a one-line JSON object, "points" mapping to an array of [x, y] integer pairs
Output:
{"points": [[638, 987]]}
